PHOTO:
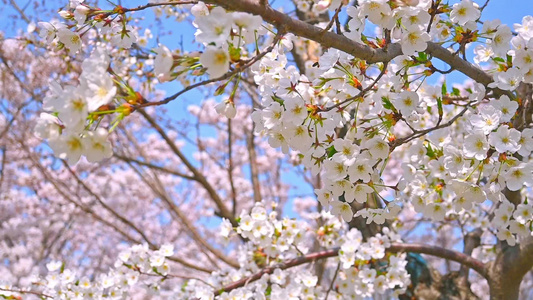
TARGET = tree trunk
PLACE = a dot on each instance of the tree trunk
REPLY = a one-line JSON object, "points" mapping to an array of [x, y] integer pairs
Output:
{"points": [[501, 289]]}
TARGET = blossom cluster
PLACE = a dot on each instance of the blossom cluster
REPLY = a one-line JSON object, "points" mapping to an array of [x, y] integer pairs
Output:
{"points": [[378, 108], [446, 183], [365, 266], [71, 129], [135, 267], [373, 103], [114, 30], [225, 36], [461, 151], [317, 7], [367, 269]]}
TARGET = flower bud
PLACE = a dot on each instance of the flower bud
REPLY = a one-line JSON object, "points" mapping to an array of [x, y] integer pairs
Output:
{"points": [[65, 14]]}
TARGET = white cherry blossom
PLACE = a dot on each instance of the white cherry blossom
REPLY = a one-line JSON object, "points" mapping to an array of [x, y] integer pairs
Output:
{"points": [[464, 11]]}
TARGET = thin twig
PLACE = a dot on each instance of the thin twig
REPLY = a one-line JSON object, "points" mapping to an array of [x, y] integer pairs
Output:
{"points": [[155, 167], [419, 133], [172, 3], [333, 280], [223, 210], [26, 292], [230, 170], [239, 69], [360, 94], [484, 6], [335, 16]]}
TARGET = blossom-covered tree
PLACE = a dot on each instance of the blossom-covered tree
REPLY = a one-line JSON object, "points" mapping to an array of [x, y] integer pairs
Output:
{"points": [[115, 185]]}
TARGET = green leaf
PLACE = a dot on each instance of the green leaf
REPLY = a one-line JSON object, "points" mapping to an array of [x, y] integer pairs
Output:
{"points": [[387, 123], [277, 99], [386, 103], [331, 151], [444, 90], [422, 56], [456, 92], [429, 151], [268, 291], [234, 53]]}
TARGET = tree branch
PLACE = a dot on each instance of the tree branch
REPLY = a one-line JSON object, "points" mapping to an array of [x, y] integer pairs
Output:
{"points": [[452, 255], [340, 42], [237, 70], [284, 265], [458, 257], [105, 205], [152, 166], [230, 170], [159, 189], [200, 178]]}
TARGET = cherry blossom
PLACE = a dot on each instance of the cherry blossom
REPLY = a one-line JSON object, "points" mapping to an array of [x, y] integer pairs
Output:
{"points": [[216, 60], [464, 11], [313, 160]]}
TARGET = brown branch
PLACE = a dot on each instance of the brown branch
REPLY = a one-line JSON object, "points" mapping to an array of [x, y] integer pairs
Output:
{"points": [[200, 178], [3, 165], [105, 206], [171, 3], [440, 252], [25, 292], [458, 257], [194, 232], [250, 146], [230, 170], [165, 277], [98, 218], [20, 11], [190, 265], [163, 194], [249, 89], [84, 208], [340, 42], [191, 229], [419, 133], [239, 69], [254, 172], [484, 6], [361, 93], [152, 166], [471, 240], [284, 265], [24, 87], [335, 17], [333, 280]]}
